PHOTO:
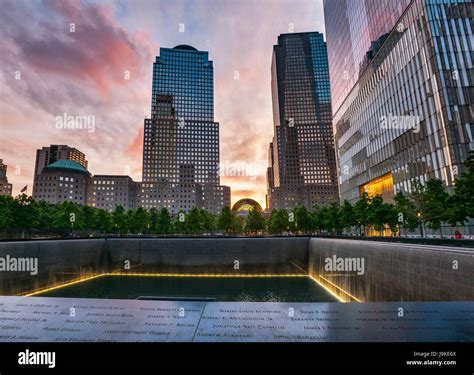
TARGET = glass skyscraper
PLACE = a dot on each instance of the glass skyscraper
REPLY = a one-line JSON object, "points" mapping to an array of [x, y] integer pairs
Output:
{"points": [[302, 167], [181, 139], [402, 88]]}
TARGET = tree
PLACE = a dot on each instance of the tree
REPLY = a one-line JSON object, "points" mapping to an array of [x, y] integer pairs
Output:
{"points": [[65, 217], [153, 218], [380, 214], [129, 224], [164, 221], [237, 224], [23, 213], [417, 198], [333, 218], [88, 216], [179, 222], [461, 202], [194, 223], [6, 213], [119, 219], [316, 219], [302, 219], [255, 221], [278, 221], [226, 220], [44, 215], [406, 212], [140, 220], [435, 204], [104, 220], [208, 221], [361, 210], [348, 216]]}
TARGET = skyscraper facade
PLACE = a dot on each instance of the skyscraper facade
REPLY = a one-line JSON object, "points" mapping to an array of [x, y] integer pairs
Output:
{"points": [[302, 166], [5, 187], [402, 88], [109, 191], [181, 139]]}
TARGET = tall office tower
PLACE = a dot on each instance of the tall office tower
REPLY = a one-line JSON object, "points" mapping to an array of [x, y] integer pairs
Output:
{"points": [[181, 139], [302, 166], [5, 187], [402, 91]]}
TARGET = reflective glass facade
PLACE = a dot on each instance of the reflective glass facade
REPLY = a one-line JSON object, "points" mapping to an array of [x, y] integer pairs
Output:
{"points": [[181, 139], [410, 113], [354, 31], [303, 167], [182, 130]]}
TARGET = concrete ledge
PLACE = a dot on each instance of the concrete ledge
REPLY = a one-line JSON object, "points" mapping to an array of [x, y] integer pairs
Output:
{"points": [[396, 272], [46, 319]]}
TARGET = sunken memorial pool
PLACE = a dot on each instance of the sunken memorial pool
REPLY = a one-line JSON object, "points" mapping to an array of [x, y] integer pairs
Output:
{"points": [[238, 289]]}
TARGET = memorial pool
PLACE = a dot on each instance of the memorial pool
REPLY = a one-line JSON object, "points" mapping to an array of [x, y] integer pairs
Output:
{"points": [[238, 289]]}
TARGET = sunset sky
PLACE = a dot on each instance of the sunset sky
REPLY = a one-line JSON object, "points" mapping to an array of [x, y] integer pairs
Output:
{"points": [[47, 70]]}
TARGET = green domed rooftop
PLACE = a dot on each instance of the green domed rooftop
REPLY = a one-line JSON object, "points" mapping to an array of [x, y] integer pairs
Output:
{"points": [[69, 165]]}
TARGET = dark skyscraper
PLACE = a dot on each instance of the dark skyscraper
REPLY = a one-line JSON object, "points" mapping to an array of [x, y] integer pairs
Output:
{"points": [[353, 28], [181, 141], [401, 84], [302, 167]]}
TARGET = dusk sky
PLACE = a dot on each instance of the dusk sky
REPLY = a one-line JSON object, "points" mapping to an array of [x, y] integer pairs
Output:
{"points": [[47, 70]]}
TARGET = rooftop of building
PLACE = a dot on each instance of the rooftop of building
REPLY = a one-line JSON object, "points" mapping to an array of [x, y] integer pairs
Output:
{"points": [[67, 165], [185, 47]]}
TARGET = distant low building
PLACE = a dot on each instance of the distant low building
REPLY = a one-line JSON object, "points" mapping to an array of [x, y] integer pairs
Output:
{"points": [[5, 187], [63, 180], [109, 191]]}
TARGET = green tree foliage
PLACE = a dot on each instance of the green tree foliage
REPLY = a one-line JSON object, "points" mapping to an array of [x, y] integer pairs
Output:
{"points": [[348, 216], [255, 221], [333, 219], [426, 205], [406, 212], [153, 218], [361, 210], [302, 219], [194, 223], [278, 221], [227, 220], [381, 214], [435, 204], [164, 224], [179, 223], [461, 202], [208, 221], [6, 213], [119, 220], [103, 220]]}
